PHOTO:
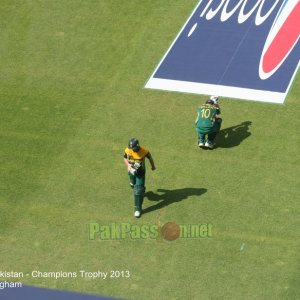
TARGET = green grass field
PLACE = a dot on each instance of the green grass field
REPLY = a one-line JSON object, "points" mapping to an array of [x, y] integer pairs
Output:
{"points": [[72, 76]]}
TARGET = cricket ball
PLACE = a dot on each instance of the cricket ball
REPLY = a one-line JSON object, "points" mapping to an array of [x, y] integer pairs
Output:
{"points": [[170, 231]]}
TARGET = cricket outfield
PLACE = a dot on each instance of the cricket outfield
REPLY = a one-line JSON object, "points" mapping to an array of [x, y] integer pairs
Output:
{"points": [[72, 94]]}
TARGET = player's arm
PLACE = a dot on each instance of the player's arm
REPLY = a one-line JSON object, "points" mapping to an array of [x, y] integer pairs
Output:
{"points": [[126, 161], [149, 156], [217, 106], [198, 115]]}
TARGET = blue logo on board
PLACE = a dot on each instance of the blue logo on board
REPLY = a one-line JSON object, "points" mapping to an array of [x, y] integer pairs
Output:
{"points": [[246, 49]]}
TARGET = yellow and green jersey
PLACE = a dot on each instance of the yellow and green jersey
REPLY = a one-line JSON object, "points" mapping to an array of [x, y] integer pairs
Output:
{"points": [[205, 122], [137, 158]]}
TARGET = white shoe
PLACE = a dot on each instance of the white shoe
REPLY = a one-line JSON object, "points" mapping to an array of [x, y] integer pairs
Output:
{"points": [[209, 145], [137, 214], [201, 144]]}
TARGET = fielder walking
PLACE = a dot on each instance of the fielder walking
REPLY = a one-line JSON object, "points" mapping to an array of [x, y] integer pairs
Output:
{"points": [[207, 123], [134, 159]]}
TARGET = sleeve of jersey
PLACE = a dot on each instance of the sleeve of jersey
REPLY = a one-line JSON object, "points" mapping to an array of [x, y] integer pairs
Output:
{"points": [[125, 153], [198, 115], [145, 152]]}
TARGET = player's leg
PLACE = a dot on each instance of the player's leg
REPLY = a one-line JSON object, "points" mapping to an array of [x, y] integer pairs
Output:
{"points": [[132, 179], [212, 135], [139, 192], [210, 140], [201, 139]]}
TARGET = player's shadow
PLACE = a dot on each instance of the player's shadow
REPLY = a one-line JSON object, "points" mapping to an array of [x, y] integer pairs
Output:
{"points": [[233, 136], [166, 197]]}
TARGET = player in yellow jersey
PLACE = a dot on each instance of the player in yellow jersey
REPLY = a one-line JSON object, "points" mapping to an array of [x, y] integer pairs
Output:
{"points": [[134, 159]]}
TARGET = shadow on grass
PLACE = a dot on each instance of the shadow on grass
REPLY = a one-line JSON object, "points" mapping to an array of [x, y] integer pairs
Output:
{"points": [[170, 196], [233, 136]]}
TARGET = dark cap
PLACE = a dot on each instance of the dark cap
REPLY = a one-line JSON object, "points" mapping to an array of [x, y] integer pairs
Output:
{"points": [[134, 144]]}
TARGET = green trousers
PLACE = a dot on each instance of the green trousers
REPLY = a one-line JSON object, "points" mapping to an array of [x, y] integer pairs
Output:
{"points": [[138, 184]]}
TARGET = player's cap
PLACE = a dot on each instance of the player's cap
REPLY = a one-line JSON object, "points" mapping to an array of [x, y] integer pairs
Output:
{"points": [[209, 101], [214, 98], [134, 144]]}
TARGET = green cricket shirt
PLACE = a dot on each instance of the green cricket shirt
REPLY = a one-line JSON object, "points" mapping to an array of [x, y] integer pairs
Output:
{"points": [[205, 122]]}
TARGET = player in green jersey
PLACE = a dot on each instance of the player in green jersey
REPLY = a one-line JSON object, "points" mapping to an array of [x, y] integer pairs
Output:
{"points": [[134, 159], [207, 123]]}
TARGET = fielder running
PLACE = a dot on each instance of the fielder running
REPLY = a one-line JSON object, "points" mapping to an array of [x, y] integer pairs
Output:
{"points": [[134, 159], [207, 123]]}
